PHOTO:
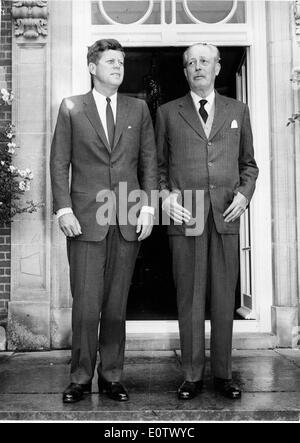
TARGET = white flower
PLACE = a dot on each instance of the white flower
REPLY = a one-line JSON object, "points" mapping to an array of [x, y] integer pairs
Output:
{"points": [[27, 186], [6, 96], [12, 169], [29, 174], [22, 185], [2, 163], [22, 173], [11, 148], [1, 203], [9, 135]]}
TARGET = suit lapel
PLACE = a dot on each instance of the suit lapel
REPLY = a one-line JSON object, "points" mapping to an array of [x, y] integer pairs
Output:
{"points": [[122, 115], [189, 114], [221, 114], [92, 114]]}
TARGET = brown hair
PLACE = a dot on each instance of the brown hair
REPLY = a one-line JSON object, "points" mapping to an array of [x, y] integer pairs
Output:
{"points": [[95, 51]]}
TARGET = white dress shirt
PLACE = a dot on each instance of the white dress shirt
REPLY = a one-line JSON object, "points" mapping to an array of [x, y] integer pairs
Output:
{"points": [[101, 104], [208, 106], [196, 99], [210, 100]]}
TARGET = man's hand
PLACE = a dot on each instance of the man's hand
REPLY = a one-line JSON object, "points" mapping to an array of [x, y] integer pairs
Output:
{"points": [[174, 210], [236, 209], [69, 225], [144, 226]]}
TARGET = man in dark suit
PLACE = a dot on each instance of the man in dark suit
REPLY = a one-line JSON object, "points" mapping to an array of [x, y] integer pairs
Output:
{"points": [[107, 140], [205, 144]]}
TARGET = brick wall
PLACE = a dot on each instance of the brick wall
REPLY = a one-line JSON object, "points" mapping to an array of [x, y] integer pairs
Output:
{"points": [[5, 118]]}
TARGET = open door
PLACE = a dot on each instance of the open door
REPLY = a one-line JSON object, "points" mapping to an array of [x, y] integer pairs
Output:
{"points": [[246, 310]]}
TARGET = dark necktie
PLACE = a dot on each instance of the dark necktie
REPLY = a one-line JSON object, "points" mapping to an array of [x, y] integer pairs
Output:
{"points": [[110, 123], [202, 110]]}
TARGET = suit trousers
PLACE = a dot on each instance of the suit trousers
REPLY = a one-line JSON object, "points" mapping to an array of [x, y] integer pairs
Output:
{"points": [[100, 275], [205, 266]]}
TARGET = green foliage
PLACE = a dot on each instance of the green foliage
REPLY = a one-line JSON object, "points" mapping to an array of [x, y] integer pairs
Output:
{"points": [[14, 182]]}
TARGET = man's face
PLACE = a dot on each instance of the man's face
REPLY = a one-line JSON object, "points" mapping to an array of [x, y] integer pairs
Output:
{"points": [[109, 71], [201, 68]]}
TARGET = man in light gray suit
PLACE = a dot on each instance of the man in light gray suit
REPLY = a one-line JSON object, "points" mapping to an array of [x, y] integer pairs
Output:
{"points": [[204, 142]]}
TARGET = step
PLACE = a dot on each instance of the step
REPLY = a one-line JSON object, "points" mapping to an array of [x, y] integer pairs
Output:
{"points": [[257, 406], [168, 341]]}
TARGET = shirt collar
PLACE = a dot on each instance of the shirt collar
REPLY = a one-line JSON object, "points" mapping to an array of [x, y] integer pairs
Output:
{"points": [[102, 98], [210, 98]]}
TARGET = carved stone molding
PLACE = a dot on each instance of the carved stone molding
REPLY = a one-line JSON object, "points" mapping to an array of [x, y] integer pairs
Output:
{"points": [[30, 18], [297, 19]]}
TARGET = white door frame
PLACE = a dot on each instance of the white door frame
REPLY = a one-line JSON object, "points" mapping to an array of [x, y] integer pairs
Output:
{"points": [[251, 34]]}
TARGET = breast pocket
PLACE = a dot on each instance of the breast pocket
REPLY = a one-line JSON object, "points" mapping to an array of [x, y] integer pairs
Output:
{"points": [[131, 129], [132, 135], [232, 135], [233, 131]]}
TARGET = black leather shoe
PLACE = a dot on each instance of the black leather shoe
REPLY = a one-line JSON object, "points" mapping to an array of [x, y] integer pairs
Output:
{"points": [[75, 392], [189, 389], [227, 388], [114, 390]]}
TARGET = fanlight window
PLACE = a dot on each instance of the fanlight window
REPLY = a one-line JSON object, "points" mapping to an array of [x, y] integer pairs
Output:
{"points": [[154, 12]]}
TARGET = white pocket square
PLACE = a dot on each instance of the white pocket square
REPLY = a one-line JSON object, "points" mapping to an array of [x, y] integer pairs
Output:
{"points": [[234, 124]]}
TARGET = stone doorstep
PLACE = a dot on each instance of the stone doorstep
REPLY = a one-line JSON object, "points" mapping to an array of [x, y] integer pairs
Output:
{"points": [[157, 406], [163, 342], [259, 406], [262, 401]]}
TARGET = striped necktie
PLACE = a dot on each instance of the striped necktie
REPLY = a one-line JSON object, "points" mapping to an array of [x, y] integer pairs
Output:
{"points": [[202, 110]]}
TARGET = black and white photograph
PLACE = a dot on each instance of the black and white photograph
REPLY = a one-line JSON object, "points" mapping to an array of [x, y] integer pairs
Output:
{"points": [[149, 214]]}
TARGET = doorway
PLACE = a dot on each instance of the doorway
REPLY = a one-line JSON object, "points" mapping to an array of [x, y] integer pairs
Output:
{"points": [[70, 77], [155, 74]]}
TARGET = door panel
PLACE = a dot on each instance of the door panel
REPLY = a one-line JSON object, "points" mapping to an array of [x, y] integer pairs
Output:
{"points": [[246, 302]]}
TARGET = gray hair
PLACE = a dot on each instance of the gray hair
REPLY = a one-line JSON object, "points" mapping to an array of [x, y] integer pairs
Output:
{"points": [[209, 45]]}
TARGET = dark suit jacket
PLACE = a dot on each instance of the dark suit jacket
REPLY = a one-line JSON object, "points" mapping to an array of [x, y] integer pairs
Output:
{"points": [[79, 143], [221, 165]]}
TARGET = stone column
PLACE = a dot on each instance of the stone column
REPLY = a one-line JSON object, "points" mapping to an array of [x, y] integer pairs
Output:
{"points": [[61, 86], [284, 214], [29, 309]]}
